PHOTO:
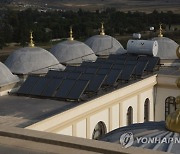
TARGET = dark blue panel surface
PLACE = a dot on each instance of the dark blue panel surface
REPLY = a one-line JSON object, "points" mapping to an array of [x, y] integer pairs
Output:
{"points": [[28, 85], [52, 87]]}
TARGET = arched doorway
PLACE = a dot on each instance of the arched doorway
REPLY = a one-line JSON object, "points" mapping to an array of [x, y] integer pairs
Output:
{"points": [[99, 130], [146, 110], [170, 105], [129, 116]]}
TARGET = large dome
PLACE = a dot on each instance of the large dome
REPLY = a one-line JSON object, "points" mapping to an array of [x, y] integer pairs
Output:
{"points": [[32, 59], [6, 77], [149, 132], [72, 52], [104, 45], [167, 48]]}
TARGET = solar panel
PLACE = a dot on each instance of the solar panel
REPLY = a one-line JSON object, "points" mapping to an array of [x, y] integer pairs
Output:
{"points": [[140, 67], [57, 74], [40, 86], [52, 73], [28, 85], [131, 62], [112, 77], [116, 56], [86, 76], [53, 85], [85, 63], [143, 58], [103, 71], [95, 83], [118, 66], [78, 89], [91, 70], [65, 88], [106, 65], [152, 65], [120, 61], [70, 69], [131, 58], [94, 65], [73, 75], [127, 72], [100, 60]]}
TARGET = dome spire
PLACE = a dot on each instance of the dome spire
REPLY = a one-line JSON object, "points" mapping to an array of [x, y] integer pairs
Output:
{"points": [[31, 43], [160, 31], [71, 34], [102, 29], [173, 119]]}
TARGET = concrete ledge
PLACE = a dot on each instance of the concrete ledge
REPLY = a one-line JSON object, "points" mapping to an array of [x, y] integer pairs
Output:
{"points": [[68, 142]]}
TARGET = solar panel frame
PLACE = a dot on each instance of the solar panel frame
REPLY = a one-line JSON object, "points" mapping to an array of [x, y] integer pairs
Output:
{"points": [[95, 83], [65, 88], [40, 86], [112, 77], [73, 75], [91, 70], [118, 66], [78, 89], [103, 71], [106, 66], [153, 62], [140, 68], [127, 72], [28, 85], [70, 69], [52, 87]]}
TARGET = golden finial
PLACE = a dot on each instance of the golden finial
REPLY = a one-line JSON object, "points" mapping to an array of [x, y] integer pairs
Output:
{"points": [[160, 31], [31, 44], [102, 29], [71, 34]]}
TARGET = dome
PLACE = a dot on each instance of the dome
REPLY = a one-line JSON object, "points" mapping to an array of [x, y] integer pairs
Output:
{"points": [[6, 77], [72, 52], [143, 134], [103, 44], [167, 48], [32, 59]]}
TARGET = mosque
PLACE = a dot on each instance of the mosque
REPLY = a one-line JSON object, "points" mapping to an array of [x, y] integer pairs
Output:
{"points": [[95, 90]]}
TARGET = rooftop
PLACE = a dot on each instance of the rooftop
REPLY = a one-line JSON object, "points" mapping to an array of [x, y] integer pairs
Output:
{"points": [[24, 111]]}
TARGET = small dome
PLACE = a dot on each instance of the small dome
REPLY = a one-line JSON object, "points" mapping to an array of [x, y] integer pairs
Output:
{"points": [[32, 59], [6, 77], [72, 52], [103, 44], [147, 133], [167, 48]]}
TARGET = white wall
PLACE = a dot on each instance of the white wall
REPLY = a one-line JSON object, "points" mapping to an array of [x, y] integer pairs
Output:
{"points": [[110, 109]]}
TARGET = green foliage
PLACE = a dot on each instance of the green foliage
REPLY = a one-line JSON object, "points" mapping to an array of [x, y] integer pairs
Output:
{"points": [[15, 25]]}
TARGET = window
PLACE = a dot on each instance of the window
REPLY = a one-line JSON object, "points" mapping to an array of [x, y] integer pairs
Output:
{"points": [[129, 116], [99, 130], [170, 105], [146, 110]]}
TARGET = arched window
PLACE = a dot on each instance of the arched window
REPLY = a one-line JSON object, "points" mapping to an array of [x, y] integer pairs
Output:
{"points": [[129, 116], [170, 105], [99, 130], [146, 110]]}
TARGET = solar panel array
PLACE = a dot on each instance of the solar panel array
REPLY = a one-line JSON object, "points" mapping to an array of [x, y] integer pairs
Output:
{"points": [[89, 77]]}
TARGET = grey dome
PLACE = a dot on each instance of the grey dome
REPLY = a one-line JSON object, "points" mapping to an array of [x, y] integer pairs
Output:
{"points": [[32, 59], [147, 130], [166, 48], [73, 52], [103, 44], [6, 77]]}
